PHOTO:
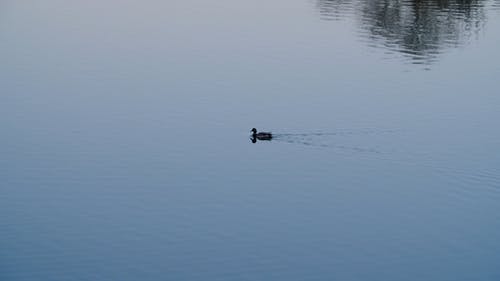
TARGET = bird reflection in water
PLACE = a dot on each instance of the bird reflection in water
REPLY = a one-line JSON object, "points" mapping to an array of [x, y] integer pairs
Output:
{"points": [[261, 136]]}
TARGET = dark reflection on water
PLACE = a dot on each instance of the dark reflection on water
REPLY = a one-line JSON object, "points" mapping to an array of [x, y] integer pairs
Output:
{"points": [[334, 9], [420, 30]]}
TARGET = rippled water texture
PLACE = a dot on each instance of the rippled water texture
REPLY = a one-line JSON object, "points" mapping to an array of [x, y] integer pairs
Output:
{"points": [[420, 30], [126, 151]]}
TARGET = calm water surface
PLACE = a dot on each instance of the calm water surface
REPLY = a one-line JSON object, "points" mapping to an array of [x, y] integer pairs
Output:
{"points": [[125, 150]]}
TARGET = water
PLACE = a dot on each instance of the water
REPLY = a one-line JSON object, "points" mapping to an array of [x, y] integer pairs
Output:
{"points": [[126, 152]]}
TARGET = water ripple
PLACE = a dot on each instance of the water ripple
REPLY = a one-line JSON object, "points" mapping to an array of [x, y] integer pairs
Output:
{"points": [[420, 30], [331, 140]]}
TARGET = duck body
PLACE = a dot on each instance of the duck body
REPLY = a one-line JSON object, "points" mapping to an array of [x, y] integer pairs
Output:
{"points": [[261, 135]]}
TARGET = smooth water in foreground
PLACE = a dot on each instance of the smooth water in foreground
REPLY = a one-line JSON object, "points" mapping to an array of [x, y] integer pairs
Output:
{"points": [[125, 150]]}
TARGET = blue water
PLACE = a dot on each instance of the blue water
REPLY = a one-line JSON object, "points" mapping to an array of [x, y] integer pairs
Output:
{"points": [[125, 149]]}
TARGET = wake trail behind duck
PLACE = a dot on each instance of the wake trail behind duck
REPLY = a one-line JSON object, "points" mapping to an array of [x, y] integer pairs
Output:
{"points": [[330, 139]]}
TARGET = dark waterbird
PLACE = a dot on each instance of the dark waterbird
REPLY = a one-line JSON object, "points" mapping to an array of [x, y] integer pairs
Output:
{"points": [[260, 135]]}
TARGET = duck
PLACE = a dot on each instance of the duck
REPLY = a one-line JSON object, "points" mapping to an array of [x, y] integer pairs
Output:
{"points": [[261, 135]]}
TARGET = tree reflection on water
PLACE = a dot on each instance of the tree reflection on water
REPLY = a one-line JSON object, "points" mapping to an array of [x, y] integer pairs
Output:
{"points": [[419, 29]]}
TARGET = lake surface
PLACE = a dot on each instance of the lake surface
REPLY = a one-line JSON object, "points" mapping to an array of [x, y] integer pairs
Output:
{"points": [[125, 149]]}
